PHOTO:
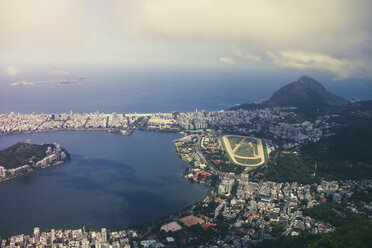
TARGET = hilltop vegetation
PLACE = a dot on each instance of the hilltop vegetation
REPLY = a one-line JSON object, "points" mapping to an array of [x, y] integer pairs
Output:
{"points": [[345, 155], [357, 233], [351, 230], [21, 154]]}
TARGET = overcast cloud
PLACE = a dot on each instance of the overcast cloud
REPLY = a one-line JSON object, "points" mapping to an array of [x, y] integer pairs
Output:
{"points": [[332, 36]]}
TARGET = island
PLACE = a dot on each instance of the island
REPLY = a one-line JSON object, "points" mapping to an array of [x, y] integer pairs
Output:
{"points": [[25, 157]]}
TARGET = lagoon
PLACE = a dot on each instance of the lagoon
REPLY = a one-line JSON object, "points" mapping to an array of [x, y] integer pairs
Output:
{"points": [[112, 181]]}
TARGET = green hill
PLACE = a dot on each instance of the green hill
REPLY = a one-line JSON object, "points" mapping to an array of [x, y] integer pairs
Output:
{"points": [[346, 155], [21, 154], [356, 233]]}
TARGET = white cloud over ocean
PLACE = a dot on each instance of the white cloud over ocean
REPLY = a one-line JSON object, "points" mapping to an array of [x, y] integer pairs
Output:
{"points": [[248, 57], [13, 70], [226, 60], [340, 68], [58, 71], [22, 82]]}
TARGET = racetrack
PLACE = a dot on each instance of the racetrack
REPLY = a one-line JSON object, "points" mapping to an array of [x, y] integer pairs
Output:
{"points": [[232, 153]]}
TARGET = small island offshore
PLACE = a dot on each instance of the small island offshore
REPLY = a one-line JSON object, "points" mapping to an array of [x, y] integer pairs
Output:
{"points": [[25, 157]]}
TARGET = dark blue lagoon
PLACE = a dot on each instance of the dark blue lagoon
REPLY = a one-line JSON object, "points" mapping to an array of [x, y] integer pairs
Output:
{"points": [[112, 181]]}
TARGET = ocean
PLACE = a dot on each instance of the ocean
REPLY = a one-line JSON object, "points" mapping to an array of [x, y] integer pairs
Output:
{"points": [[155, 90]]}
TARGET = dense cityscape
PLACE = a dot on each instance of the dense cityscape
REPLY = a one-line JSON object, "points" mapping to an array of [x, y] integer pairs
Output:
{"points": [[235, 121], [139, 123], [240, 210]]}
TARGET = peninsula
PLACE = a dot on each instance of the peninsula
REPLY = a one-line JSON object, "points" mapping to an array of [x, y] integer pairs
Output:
{"points": [[23, 158]]}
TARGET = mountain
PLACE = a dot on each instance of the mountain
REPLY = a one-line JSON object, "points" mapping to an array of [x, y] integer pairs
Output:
{"points": [[306, 94]]}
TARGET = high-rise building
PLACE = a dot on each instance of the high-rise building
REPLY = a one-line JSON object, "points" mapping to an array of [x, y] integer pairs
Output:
{"points": [[52, 235], [244, 178], [2, 171], [104, 234], [37, 234]]}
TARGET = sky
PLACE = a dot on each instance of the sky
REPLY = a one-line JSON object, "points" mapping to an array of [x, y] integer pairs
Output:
{"points": [[333, 37]]}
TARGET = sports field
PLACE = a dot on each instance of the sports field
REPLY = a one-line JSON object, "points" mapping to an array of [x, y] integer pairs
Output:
{"points": [[243, 150]]}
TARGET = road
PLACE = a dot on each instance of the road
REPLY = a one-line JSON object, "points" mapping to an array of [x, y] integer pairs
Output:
{"points": [[198, 149]]}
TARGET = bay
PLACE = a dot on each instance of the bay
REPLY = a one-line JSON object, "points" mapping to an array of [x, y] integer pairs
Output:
{"points": [[112, 181]]}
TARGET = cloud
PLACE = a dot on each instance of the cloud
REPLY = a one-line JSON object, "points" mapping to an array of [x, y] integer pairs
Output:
{"points": [[340, 67], [249, 57], [226, 60], [58, 71], [338, 30], [39, 22], [22, 83], [13, 70], [267, 22], [69, 83], [64, 81]]}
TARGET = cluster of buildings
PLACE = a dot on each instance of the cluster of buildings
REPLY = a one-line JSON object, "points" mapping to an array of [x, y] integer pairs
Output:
{"points": [[197, 175], [188, 148], [269, 120], [53, 154], [297, 132], [251, 210], [225, 187], [236, 120], [162, 122], [257, 206], [21, 123], [72, 238], [250, 213]]}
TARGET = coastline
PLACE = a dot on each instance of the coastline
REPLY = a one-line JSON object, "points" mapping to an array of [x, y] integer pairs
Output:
{"points": [[35, 168], [56, 130], [30, 172]]}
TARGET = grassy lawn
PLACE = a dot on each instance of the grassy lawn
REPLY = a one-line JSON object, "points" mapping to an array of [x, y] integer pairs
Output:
{"points": [[242, 151], [234, 141], [247, 150], [224, 148], [266, 155], [251, 150]]}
